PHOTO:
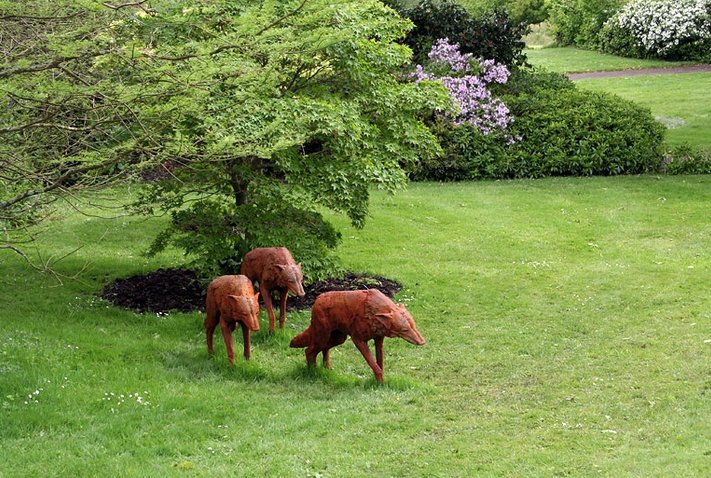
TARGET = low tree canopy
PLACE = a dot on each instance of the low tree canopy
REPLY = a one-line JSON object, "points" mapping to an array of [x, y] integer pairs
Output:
{"points": [[263, 112], [64, 124]]}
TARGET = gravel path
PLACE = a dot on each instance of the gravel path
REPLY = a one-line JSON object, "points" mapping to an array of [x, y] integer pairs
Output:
{"points": [[643, 71]]}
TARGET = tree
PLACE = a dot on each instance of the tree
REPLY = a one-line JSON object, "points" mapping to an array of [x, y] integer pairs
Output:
{"points": [[264, 112], [528, 12], [63, 127]]}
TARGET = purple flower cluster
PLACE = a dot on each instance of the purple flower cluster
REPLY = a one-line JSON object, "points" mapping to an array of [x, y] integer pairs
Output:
{"points": [[493, 72], [445, 52], [476, 105]]}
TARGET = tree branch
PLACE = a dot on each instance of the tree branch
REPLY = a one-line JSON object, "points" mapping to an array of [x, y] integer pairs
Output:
{"points": [[14, 129], [55, 63], [46, 266], [57, 182], [279, 20], [230, 47], [40, 19], [140, 5]]}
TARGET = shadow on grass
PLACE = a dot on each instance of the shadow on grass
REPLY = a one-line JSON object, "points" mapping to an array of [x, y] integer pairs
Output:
{"points": [[198, 366], [201, 366], [335, 379], [280, 338]]}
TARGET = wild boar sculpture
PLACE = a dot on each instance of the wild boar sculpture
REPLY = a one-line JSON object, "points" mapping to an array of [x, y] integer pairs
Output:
{"points": [[230, 301], [274, 268], [364, 315]]}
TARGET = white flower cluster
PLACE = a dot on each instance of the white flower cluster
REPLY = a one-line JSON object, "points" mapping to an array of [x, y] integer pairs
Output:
{"points": [[119, 399], [661, 25], [33, 397]]}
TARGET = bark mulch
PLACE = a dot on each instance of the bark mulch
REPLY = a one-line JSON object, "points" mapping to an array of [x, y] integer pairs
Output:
{"points": [[167, 290]]}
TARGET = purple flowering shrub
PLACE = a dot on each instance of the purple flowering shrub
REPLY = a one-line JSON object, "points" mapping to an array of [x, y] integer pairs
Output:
{"points": [[466, 79]]}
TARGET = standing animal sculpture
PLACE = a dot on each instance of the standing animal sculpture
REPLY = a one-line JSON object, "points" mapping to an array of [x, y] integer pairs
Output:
{"points": [[274, 269], [230, 301], [362, 314]]}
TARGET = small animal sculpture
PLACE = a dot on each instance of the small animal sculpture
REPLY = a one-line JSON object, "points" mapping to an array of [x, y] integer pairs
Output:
{"points": [[230, 301], [274, 269], [362, 314]]}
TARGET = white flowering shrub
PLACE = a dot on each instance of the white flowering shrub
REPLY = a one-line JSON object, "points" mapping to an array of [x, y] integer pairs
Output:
{"points": [[660, 28]]}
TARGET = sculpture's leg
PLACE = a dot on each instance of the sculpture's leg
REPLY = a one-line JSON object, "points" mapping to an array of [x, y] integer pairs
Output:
{"points": [[267, 298], [365, 351], [245, 338], [337, 338], [379, 352], [227, 335], [211, 322], [282, 307]]}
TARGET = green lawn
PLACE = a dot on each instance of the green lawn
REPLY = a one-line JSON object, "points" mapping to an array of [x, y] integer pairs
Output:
{"points": [[568, 325], [682, 102], [575, 60]]}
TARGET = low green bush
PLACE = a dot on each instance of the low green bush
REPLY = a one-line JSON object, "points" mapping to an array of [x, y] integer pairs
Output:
{"points": [[558, 131], [686, 160], [581, 133]]}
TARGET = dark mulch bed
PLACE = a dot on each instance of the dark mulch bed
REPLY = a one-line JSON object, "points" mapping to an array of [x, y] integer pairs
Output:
{"points": [[179, 289], [350, 281], [159, 291]]}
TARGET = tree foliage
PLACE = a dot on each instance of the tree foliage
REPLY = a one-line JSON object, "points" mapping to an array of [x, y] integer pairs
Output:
{"points": [[527, 12], [264, 113], [578, 22], [64, 125], [491, 34]]}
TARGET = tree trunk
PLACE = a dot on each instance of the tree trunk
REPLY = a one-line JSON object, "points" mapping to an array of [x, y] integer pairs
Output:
{"points": [[240, 170]]}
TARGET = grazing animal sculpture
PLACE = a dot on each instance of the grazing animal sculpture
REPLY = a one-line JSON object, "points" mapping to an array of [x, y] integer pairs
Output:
{"points": [[362, 314], [274, 269], [230, 301]]}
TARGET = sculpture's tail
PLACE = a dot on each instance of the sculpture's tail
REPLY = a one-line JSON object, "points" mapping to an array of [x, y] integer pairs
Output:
{"points": [[301, 340]]}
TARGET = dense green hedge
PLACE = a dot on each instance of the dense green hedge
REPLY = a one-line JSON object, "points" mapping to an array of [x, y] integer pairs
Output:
{"points": [[560, 131], [578, 22], [489, 35]]}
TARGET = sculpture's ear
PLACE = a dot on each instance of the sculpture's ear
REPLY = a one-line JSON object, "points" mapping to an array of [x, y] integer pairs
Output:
{"points": [[281, 267], [234, 298], [298, 265], [401, 306], [256, 296], [384, 318]]}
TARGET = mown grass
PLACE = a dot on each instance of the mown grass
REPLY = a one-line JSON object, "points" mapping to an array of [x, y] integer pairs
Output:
{"points": [[576, 60], [568, 325]]}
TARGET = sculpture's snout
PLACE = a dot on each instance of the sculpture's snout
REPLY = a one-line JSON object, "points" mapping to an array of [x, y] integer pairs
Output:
{"points": [[298, 289], [414, 337]]}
